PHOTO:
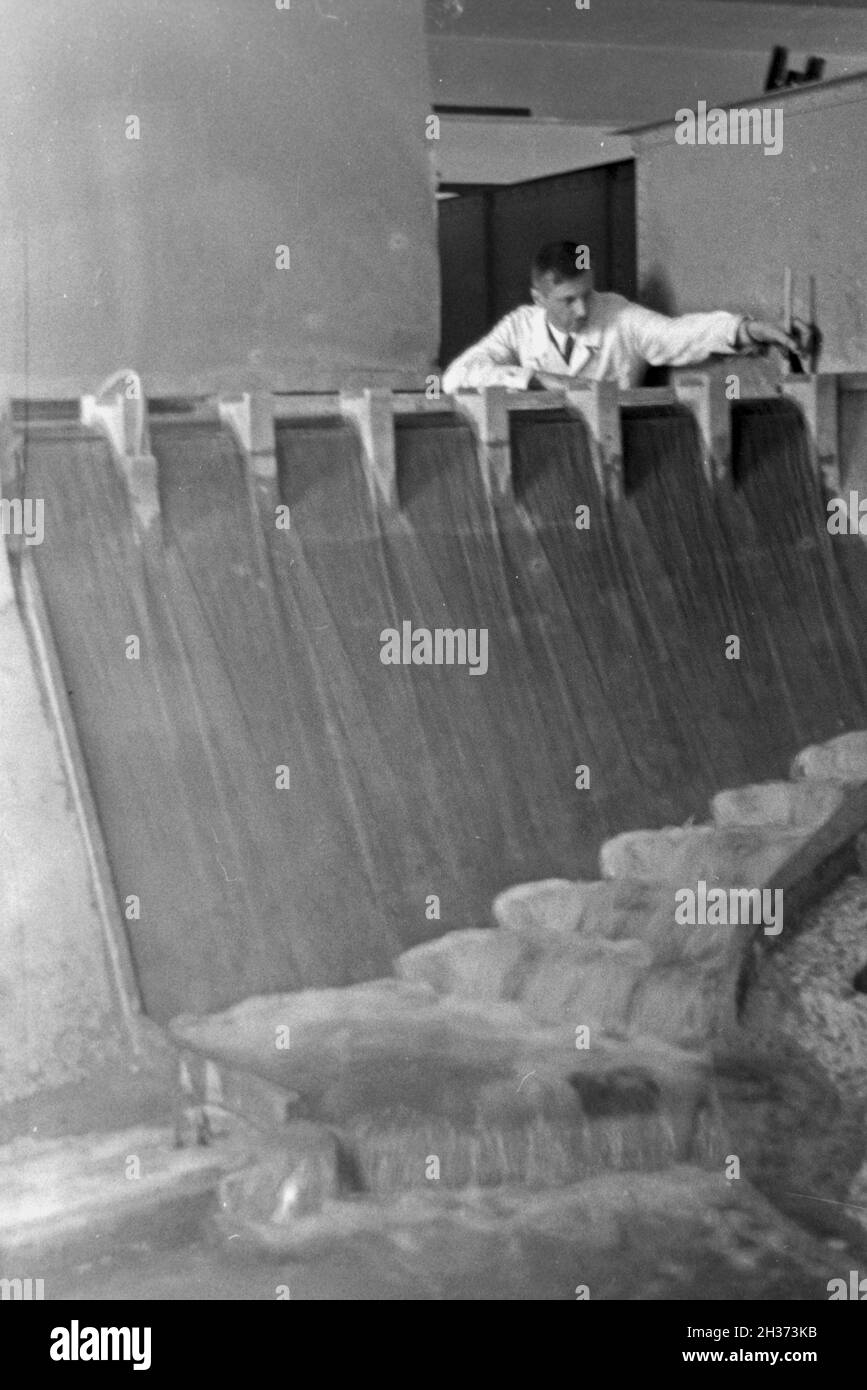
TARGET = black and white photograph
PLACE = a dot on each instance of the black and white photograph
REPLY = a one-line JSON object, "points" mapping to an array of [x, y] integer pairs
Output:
{"points": [[433, 670]]}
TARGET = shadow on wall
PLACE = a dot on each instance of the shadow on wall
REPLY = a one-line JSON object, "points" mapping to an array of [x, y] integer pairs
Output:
{"points": [[655, 292]]}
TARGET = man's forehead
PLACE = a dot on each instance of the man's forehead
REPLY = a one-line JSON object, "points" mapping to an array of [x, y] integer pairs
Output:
{"points": [[562, 289]]}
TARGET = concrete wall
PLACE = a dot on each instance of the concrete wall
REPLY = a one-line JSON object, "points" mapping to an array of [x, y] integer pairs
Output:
{"points": [[717, 224], [259, 127], [60, 1004]]}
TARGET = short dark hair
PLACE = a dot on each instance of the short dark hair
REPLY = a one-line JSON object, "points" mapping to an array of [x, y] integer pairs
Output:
{"points": [[557, 259]]}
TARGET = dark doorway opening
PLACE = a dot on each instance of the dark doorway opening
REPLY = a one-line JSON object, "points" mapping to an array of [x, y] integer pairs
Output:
{"points": [[488, 234]]}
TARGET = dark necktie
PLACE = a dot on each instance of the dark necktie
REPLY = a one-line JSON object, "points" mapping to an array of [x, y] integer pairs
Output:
{"points": [[568, 346]]}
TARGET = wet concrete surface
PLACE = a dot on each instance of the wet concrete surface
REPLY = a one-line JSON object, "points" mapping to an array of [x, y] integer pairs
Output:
{"points": [[682, 1235]]}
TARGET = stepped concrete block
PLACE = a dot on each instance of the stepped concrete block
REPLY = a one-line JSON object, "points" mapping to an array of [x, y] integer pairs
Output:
{"points": [[630, 968], [684, 855], [583, 982], [669, 987], [679, 1004], [482, 963], [843, 759], [639, 910], [630, 909], [617, 910], [802, 805], [552, 904]]}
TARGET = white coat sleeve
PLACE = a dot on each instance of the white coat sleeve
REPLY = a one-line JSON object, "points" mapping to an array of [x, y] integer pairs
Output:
{"points": [[493, 361], [683, 341]]}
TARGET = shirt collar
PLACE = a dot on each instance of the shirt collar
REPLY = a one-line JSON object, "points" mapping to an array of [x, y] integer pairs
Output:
{"points": [[590, 331], [559, 336]]}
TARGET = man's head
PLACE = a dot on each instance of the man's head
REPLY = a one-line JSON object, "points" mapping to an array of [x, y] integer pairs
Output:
{"points": [[560, 282]]}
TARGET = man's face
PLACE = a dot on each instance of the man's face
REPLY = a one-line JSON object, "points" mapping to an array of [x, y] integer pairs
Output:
{"points": [[566, 301]]}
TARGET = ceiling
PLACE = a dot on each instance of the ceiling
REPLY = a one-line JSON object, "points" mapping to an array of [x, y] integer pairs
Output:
{"points": [[814, 26]]}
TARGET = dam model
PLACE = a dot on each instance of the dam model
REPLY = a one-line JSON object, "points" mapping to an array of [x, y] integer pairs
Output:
{"points": [[445, 796]]}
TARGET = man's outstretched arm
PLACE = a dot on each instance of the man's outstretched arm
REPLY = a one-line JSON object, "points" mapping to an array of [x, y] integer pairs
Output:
{"points": [[690, 338], [493, 361]]}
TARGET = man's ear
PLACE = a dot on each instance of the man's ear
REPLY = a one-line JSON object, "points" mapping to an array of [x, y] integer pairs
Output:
{"points": [[535, 295]]}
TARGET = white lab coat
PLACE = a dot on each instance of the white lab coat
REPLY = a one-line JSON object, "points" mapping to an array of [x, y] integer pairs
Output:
{"points": [[615, 343]]}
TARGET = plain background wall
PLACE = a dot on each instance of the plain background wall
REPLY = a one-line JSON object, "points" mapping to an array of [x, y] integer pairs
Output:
{"points": [[259, 128], [718, 224]]}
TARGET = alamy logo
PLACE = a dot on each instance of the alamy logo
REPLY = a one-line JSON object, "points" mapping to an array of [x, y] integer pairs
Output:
{"points": [[23, 1290], [444, 646], [847, 518], [855, 1289], [729, 907], [23, 517], [75, 1343], [747, 125]]}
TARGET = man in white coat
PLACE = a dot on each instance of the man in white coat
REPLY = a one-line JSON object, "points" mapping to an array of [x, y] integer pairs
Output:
{"points": [[572, 330]]}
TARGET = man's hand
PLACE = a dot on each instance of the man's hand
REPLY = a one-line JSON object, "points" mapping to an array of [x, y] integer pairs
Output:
{"points": [[753, 333], [551, 381]]}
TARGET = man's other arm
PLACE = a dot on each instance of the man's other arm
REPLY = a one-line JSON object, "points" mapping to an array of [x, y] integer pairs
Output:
{"points": [[493, 361]]}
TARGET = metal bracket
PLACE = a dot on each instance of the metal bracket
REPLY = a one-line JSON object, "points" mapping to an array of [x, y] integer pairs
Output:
{"points": [[597, 402], [488, 414], [371, 412], [118, 408], [251, 419], [703, 394]]}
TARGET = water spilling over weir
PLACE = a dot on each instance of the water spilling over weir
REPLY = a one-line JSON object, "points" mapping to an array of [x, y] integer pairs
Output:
{"points": [[260, 649], [305, 839]]}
